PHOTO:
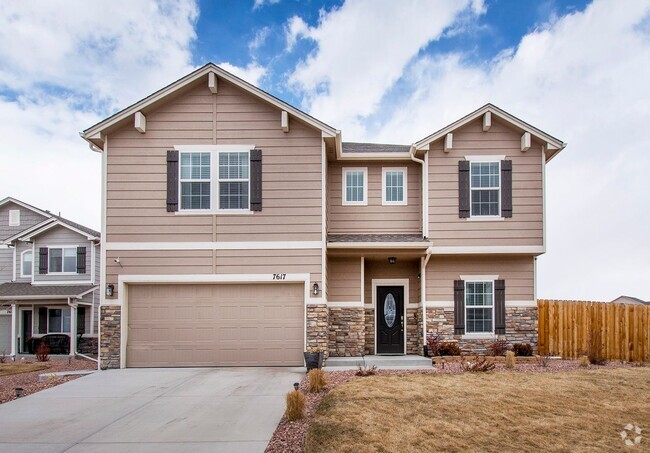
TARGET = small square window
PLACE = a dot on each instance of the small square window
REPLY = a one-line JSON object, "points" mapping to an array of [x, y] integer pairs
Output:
{"points": [[355, 186], [14, 217]]}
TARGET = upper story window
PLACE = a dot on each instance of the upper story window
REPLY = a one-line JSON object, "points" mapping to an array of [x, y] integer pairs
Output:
{"points": [[62, 260], [26, 263], [14, 217], [195, 181], [479, 307], [355, 186], [394, 186], [485, 187], [233, 180]]}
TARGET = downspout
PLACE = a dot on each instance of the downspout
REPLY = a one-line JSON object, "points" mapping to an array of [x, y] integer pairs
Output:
{"points": [[423, 295], [424, 188]]}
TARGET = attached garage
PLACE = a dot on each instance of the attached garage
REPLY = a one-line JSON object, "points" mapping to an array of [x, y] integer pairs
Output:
{"points": [[191, 325]]}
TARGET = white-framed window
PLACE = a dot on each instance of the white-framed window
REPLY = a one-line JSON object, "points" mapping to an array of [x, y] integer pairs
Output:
{"points": [[195, 185], [14, 217], [214, 178], [394, 186], [62, 260], [485, 189], [479, 307], [58, 320], [26, 263], [355, 186]]}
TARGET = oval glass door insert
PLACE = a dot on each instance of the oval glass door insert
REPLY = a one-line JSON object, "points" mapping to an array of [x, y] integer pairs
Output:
{"points": [[390, 310]]}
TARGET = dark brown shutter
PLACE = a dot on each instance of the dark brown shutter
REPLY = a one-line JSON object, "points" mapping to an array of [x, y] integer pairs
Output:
{"points": [[463, 189], [506, 188], [42, 260], [81, 320], [459, 307], [256, 179], [500, 307], [42, 320], [81, 260], [172, 180]]}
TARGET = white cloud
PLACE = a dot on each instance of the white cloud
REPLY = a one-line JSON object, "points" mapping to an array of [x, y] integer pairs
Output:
{"points": [[259, 39], [252, 73], [295, 28], [259, 3], [362, 50]]}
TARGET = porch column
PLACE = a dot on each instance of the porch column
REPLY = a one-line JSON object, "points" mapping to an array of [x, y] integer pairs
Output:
{"points": [[14, 328], [73, 330]]}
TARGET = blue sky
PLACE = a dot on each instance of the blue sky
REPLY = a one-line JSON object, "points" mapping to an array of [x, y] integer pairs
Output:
{"points": [[379, 70]]}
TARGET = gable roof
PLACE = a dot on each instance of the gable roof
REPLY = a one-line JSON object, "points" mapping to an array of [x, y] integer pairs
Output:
{"points": [[93, 134], [553, 145], [630, 299], [6, 200]]}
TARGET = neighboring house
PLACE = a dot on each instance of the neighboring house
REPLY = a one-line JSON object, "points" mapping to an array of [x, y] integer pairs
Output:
{"points": [[630, 300], [49, 278], [240, 231]]}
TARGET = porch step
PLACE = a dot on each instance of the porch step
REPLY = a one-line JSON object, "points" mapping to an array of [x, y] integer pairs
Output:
{"points": [[381, 361]]}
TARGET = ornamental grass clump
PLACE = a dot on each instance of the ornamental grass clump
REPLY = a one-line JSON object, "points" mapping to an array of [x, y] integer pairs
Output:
{"points": [[295, 405], [477, 365], [43, 352], [584, 361], [316, 380], [511, 360]]}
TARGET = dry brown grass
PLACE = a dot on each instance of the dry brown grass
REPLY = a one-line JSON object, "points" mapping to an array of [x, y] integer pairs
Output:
{"points": [[316, 378], [572, 411], [511, 360], [295, 405], [8, 369]]}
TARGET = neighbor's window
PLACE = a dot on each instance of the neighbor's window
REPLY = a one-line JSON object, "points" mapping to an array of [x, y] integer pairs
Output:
{"points": [[58, 320], [479, 307], [195, 181], [63, 260], [14, 217], [26, 264], [394, 185], [233, 180], [355, 186], [485, 188]]}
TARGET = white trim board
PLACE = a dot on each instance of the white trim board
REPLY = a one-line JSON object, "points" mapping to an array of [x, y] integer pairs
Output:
{"points": [[265, 245], [490, 249], [354, 304], [509, 303]]}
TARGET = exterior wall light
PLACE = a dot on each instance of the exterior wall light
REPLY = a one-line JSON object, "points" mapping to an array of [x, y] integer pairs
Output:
{"points": [[109, 290], [316, 289], [392, 260]]}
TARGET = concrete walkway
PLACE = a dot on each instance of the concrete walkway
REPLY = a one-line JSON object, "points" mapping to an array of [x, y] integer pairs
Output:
{"points": [[152, 410]]}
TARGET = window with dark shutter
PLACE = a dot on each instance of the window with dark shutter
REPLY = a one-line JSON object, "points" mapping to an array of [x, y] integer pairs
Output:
{"points": [[81, 260], [42, 260], [42, 320], [463, 189], [459, 307], [172, 180], [506, 188], [500, 307], [256, 179]]}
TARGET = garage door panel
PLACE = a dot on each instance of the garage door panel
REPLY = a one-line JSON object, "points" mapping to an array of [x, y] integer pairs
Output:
{"points": [[215, 325]]}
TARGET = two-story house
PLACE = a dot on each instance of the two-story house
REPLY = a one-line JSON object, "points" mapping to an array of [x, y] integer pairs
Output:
{"points": [[240, 231], [49, 279]]}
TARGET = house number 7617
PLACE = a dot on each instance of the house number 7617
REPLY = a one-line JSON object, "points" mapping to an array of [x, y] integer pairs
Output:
{"points": [[279, 276]]}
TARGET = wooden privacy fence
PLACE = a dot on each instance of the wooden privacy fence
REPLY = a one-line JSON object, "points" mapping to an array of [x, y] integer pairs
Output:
{"points": [[621, 330]]}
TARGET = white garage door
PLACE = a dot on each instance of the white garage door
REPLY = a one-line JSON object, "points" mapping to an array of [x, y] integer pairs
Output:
{"points": [[215, 325]]}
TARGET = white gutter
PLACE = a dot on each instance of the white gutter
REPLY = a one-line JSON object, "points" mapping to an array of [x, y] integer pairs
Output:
{"points": [[425, 189]]}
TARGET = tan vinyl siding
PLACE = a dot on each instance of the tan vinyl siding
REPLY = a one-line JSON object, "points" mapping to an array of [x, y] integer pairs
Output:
{"points": [[344, 277], [375, 218], [61, 236], [525, 226], [403, 268], [517, 271], [28, 218]]}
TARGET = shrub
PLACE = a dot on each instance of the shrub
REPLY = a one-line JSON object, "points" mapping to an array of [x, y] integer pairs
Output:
{"points": [[498, 347], [316, 380], [365, 370], [477, 365], [584, 361], [434, 341], [449, 348], [510, 359], [295, 405], [3, 357], [543, 360], [43, 352], [523, 349], [595, 352]]}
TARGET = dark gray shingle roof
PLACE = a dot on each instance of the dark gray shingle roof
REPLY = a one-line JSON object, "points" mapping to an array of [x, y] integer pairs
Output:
{"points": [[376, 238], [78, 226], [17, 290], [352, 147]]}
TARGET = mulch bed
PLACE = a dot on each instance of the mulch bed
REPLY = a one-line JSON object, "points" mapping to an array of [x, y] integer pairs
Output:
{"points": [[29, 381], [289, 436]]}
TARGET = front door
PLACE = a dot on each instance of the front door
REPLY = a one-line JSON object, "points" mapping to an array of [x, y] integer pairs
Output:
{"points": [[390, 320], [26, 334]]}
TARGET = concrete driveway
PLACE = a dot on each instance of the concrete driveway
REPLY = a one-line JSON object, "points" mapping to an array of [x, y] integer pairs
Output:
{"points": [[147, 410]]}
